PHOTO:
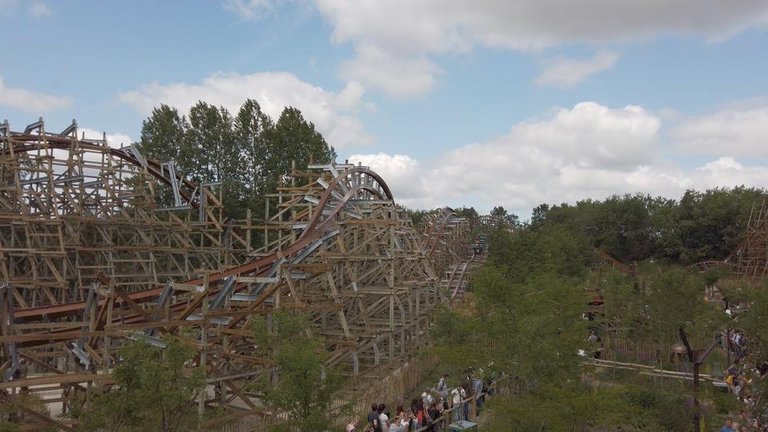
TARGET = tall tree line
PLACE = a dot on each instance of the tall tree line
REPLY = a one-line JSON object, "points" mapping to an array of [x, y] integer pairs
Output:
{"points": [[700, 226], [249, 153]]}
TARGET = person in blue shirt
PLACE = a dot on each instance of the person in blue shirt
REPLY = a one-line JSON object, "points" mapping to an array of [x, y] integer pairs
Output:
{"points": [[728, 426]]}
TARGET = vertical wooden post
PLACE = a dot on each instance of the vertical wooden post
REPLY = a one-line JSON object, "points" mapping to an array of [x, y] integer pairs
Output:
{"points": [[203, 347]]}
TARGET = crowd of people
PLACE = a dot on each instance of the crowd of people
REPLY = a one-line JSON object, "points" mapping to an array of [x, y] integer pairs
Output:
{"points": [[435, 405], [740, 378]]}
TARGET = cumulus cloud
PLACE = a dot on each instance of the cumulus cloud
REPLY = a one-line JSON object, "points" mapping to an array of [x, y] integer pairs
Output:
{"points": [[587, 151], [733, 131], [31, 101], [334, 114], [573, 150], [248, 9], [7, 6], [402, 174], [36, 8], [115, 140], [399, 76], [430, 25], [406, 30], [564, 72], [589, 135], [39, 9], [727, 171]]}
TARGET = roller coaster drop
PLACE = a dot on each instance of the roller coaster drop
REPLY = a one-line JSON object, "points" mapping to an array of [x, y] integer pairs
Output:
{"points": [[89, 259]]}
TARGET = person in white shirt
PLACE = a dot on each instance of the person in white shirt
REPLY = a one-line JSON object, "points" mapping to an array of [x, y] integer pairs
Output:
{"points": [[458, 409], [383, 419]]}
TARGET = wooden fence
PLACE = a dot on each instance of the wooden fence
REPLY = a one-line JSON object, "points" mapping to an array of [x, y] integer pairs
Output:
{"points": [[621, 349]]}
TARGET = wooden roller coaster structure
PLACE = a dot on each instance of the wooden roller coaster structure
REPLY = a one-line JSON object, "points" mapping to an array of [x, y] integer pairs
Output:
{"points": [[750, 259], [89, 258]]}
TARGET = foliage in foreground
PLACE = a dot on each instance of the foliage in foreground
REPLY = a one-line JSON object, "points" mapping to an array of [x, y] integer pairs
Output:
{"points": [[575, 407], [299, 385], [527, 323], [15, 411], [152, 391]]}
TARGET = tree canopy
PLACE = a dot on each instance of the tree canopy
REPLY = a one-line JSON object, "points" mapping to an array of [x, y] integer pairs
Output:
{"points": [[248, 153], [700, 226], [533, 306], [152, 391], [299, 383]]}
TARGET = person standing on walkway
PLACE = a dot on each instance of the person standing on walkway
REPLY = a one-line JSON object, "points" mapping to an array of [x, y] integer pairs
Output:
{"points": [[458, 409], [373, 418], [477, 391], [442, 387], [383, 419]]}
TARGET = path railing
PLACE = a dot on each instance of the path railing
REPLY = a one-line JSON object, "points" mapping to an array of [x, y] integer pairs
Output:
{"points": [[447, 416]]}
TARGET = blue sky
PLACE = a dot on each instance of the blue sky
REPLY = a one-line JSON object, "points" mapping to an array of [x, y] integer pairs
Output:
{"points": [[482, 103]]}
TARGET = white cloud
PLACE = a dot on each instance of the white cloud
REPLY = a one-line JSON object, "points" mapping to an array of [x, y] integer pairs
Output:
{"points": [[399, 76], [413, 31], [588, 151], [248, 9], [579, 150], [434, 26], [31, 101], [589, 135], [733, 131], [39, 9], [7, 6], [401, 173], [565, 72], [115, 140], [571, 152], [334, 114], [727, 172], [36, 9]]}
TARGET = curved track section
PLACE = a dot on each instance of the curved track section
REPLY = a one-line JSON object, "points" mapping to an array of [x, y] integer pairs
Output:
{"points": [[90, 259], [447, 243], [446, 239]]}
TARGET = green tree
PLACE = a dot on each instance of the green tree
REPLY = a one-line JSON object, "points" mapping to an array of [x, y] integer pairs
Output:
{"points": [[254, 129], [152, 391], [468, 213], [665, 232], [526, 317], [418, 217], [219, 155], [652, 304], [294, 140], [702, 226], [503, 219], [300, 384], [249, 154], [712, 224], [533, 252], [163, 138], [528, 320], [539, 214]]}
